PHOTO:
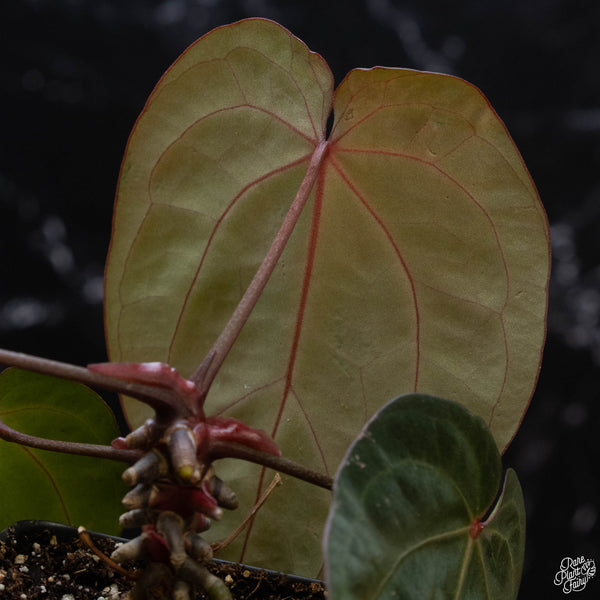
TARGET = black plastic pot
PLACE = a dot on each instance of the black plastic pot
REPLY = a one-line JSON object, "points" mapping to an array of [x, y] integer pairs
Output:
{"points": [[26, 533]]}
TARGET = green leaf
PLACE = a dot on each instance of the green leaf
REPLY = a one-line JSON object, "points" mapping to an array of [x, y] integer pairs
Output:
{"points": [[419, 264], [419, 477], [54, 486]]}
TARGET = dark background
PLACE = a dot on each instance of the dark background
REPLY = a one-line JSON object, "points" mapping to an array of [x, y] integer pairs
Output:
{"points": [[74, 75]]}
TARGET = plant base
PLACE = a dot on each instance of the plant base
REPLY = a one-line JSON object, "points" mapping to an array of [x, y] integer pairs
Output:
{"points": [[40, 560]]}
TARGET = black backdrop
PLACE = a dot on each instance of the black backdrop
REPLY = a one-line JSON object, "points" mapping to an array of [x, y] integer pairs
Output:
{"points": [[74, 74]]}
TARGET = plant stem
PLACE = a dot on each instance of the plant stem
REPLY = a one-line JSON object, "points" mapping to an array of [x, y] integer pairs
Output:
{"points": [[161, 400], [96, 450], [217, 450], [203, 377], [157, 398], [277, 463]]}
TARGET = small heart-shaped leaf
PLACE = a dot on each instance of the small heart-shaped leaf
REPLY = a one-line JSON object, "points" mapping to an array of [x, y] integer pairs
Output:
{"points": [[408, 501], [53, 486]]}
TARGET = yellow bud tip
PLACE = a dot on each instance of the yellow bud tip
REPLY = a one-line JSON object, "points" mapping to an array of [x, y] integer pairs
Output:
{"points": [[186, 472]]}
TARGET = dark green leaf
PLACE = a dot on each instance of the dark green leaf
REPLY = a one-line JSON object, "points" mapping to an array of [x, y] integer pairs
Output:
{"points": [[38, 484], [407, 499]]}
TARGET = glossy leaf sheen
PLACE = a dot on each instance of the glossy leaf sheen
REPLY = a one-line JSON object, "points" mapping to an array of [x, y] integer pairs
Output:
{"points": [[420, 262], [400, 521], [53, 486]]}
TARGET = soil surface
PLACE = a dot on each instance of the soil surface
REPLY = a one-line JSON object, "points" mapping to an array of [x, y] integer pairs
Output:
{"points": [[43, 568]]}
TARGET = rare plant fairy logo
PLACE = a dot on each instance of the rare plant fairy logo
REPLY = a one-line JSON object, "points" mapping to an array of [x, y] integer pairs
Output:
{"points": [[574, 573]]}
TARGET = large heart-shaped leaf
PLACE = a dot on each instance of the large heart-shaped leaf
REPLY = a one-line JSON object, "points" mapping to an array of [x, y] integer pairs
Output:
{"points": [[408, 501], [420, 262], [52, 486]]}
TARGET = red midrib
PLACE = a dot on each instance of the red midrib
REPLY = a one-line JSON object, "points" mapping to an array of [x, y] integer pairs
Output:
{"points": [[310, 259], [312, 246]]}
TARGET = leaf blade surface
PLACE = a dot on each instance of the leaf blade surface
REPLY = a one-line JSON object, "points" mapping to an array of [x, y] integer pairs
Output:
{"points": [[402, 509], [53, 486], [433, 165], [397, 276]]}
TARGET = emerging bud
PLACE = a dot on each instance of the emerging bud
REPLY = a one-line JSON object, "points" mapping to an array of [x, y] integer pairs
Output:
{"points": [[137, 517], [150, 467], [145, 436], [197, 547], [205, 502], [137, 497], [131, 550], [170, 527], [222, 493], [199, 522], [182, 449]]}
